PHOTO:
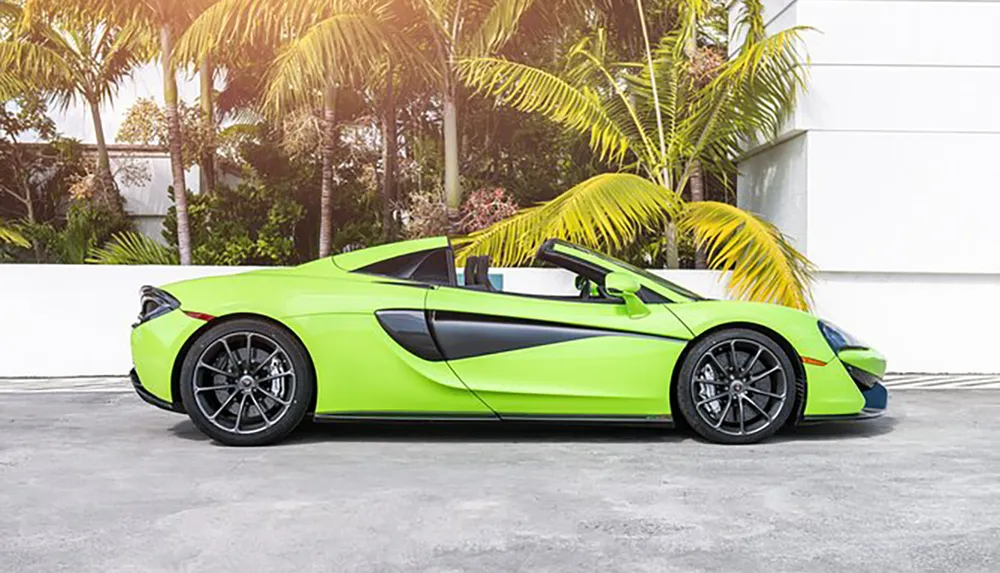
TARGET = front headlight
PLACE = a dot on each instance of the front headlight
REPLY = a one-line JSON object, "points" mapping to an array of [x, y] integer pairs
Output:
{"points": [[838, 338]]}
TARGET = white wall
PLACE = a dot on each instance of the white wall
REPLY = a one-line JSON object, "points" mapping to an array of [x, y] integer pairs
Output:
{"points": [[886, 176], [65, 320]]}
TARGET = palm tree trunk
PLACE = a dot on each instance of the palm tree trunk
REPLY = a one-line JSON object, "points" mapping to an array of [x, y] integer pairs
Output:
{"points": [[697, 186], [174, 142], [207, 160], [329, 150], [452, 189], [105, 180], [389, 142]]}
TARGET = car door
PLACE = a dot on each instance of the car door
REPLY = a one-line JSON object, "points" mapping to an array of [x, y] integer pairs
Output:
{"points": [[533, 357]]}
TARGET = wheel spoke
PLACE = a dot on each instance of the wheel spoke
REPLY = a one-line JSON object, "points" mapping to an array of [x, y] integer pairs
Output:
{"points": [[740, 405], [225, 403], [275, 376], [732, 355], [239, 413], [764, 393], [750, 363], [267, 423], [213, 388], [712, 382], [249, 351], [725, 412], [762, 376], [273, 396], [712, 399], [266, 360], [759, 409], [716, 361], [216, 370], [233, 362]]}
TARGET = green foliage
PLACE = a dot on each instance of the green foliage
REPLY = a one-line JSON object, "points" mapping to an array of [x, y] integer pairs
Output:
{"points": [[662, 119], [11, 236], [145, 123], [131, 248], [88, 225], [250, 224]]}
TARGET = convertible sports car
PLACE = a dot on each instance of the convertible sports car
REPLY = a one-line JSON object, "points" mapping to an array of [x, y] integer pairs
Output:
{"points": [[387, 333]]}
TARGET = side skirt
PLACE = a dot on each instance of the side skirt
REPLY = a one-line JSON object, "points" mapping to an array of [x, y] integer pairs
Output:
{"points": [[459, 417]]}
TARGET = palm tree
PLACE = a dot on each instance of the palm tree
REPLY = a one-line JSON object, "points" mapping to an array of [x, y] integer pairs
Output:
{"points": [[325, 47], [659, 127], [70, 58], [460, 30]]}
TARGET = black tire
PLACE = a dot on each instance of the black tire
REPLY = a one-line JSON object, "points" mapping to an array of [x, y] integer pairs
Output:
{"points": [[728, 400], [272, 390]]}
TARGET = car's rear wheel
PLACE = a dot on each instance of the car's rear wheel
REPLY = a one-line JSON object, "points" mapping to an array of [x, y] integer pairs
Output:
{"points": [[246, 382], [736, 386]]}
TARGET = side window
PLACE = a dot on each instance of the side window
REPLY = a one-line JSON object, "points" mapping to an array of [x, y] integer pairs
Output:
{"points": [[434, 266]]}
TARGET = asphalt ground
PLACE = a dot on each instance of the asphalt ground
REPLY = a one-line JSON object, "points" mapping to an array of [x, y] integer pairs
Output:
{"points": [[103, 482]]}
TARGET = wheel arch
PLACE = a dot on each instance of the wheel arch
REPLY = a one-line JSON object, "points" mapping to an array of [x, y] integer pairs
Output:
{"points": [[801, 385], [175, 374]]}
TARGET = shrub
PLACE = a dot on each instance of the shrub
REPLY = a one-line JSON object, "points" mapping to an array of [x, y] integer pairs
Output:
{"points": [[485, 207]]}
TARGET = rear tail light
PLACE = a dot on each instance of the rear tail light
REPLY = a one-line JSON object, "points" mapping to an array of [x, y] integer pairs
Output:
{"points": [[154, 302]]}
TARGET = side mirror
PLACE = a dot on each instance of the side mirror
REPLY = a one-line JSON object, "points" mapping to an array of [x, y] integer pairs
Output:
{"points": [[623, 286]]}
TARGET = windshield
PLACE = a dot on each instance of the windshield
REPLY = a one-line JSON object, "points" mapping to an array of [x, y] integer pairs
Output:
{"points": [[642, 273]]}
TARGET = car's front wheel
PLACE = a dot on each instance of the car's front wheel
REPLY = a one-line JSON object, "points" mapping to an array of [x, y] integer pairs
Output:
{"points": [[246, 382], [736, 386]]}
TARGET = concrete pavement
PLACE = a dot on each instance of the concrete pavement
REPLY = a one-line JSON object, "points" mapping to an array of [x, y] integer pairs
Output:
{"points": [[102, 482]]}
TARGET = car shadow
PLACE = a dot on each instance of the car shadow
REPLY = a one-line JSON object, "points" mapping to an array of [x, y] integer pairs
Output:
{"points": [[313, 432], [839, 430]]}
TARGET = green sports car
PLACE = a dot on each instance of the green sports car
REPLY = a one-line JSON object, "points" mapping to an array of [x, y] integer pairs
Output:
{"points": [[388, 333]]}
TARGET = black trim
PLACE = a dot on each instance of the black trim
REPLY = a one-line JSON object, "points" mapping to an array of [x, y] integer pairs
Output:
{"points": [[599, 419], [477, 417], [406, 417], [409, 328], [464, 335], [863, 379], [414, 285], [149, 398], [864, 414], [431, 266]]}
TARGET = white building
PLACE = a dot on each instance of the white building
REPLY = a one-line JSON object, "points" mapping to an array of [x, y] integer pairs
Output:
{"points": [[148, 203], [886, 177]]}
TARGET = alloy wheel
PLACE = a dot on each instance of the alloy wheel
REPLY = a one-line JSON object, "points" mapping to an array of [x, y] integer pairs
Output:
{"points": [[739, 387], [244, 382]]}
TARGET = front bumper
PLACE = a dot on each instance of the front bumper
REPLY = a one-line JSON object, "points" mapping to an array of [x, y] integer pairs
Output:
{"points": [[149, 398], [876, 402]]}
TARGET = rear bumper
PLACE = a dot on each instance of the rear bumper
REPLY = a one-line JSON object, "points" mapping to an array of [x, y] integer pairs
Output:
{"points": [[149, 398]]}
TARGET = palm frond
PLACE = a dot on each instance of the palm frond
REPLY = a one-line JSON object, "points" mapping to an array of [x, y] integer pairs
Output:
{"points": [[765, 266], [498, 25], [606, 211], [130, 248], [339, 49], [530, 89], [11, 236]]}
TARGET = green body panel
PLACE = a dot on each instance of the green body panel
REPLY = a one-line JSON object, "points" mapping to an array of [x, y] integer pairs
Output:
{"points": [[866, 359], [621, 376], [623, 370], [362, 369], [613, 374], [830, 389], [155, 345]]}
